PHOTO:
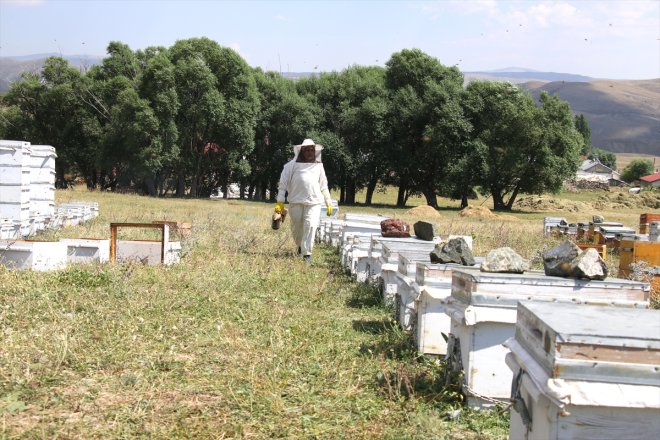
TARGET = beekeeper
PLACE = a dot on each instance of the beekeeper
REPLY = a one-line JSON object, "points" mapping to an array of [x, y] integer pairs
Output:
{"points": [[304, 179]]}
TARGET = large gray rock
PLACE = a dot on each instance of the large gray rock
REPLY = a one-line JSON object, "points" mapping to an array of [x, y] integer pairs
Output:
{"points": [[426, 230], [455, 250], [557, 261], [597, 218], [589, 265], [506, 260]]}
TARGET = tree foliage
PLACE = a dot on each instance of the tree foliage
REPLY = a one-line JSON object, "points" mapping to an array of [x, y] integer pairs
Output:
{"points": [[195, 117], [607, 158], [636, 169]]}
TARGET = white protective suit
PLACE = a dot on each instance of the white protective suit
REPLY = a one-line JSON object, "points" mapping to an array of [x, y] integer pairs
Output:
{"points": [[308, 192]]}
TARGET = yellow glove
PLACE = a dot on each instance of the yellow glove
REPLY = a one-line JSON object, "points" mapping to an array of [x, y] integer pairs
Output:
{"points": [[329, 210], [279, 207]]}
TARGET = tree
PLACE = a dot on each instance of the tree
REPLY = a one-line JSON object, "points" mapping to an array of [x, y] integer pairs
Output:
{"points": [[158, 86], [605, 157], [198, 119], [285, 119], [636, 169], [529, 149], [49, 109], [582, 126], [426, 121], [231, 137], [364, 129]]}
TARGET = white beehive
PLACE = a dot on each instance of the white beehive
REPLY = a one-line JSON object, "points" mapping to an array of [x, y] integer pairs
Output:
{"points": [[15, 180], [482, 309], [432, 323], [87, 250], [389, 264], [7, 230], [407, 290], [42, 179], [584, 372], [33, 255]]}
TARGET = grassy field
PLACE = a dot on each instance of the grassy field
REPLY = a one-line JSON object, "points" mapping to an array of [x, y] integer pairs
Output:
{"points": [[239, 340]]}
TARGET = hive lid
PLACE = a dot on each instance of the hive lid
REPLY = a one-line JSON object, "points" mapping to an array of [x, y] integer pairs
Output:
{"points": [[506, 289], [593, 343]]}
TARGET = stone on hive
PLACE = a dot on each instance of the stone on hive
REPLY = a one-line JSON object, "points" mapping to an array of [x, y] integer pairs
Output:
{"points": [[557, 261], [455, 250], [426, 230], [589, 265], [506, 260]]}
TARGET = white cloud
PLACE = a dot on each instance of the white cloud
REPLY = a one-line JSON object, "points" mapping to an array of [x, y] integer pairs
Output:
{"points": [[280, 17]]}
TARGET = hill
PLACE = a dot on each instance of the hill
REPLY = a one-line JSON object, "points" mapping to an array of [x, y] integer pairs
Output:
{"points": [[11, 68], [624, 115]]}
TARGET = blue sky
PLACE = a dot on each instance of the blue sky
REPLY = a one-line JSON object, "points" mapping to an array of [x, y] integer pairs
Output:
{"points": [[602, 39]]}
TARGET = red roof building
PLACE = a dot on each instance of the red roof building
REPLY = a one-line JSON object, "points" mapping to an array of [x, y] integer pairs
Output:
{"points": [[650, 181]]}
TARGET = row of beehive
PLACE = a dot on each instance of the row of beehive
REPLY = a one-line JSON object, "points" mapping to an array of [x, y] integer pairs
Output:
{"points": [[479, 312], [610, 233], [27, 192], [54, 255], [66, 214]]}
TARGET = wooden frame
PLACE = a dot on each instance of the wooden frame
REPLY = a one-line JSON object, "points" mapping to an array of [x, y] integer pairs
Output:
{"points": [[113, 237]]}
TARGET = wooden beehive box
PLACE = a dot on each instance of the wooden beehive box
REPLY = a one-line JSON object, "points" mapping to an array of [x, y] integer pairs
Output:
{"points": [[645, 219], [636, 251], [482, 309], [602, 344]]}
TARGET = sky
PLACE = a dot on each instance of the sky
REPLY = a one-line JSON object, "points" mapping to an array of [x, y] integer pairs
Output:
{"points": [[601, 39]]}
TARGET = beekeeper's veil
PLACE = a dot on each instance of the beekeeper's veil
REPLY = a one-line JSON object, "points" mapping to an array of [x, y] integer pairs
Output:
{"points": [[306, 142]]}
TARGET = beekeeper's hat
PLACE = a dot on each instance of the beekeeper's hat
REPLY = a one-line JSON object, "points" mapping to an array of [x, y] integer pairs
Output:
{"points": [[305, 143]]}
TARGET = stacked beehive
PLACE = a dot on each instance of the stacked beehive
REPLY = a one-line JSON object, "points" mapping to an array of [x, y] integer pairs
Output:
{"points": [[584, 372], [27, 187], [15, 183]]}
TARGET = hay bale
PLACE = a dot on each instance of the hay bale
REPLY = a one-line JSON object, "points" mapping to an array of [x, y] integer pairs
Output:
{"points": [[423, 211]]}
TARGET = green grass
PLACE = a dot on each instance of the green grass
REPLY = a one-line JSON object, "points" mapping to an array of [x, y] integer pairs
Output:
{"points": [[239, 340]]}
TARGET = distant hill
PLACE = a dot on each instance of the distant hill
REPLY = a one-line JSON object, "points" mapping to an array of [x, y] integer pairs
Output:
{"points": [[520, 75], [12, 67], [624, 115]]}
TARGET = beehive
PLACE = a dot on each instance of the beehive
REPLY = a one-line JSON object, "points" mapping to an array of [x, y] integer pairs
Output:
{"points": [[482, 309]]}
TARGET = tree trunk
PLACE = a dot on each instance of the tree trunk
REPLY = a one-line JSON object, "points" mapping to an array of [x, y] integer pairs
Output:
{"points": [[342, 193], [150, 186], [498, 200], [180, 184], [371, 187], [514, 194], [431, 198], [273, 191], [350, 192], [401, 196], [464, 201]]}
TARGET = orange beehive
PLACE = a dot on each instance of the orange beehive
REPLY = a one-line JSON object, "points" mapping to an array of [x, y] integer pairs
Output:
{"points": [[601, 248], [635, 252], [645, 219]]}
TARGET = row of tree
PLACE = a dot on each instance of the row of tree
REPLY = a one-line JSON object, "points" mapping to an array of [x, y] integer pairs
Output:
{"points": [[194, 117]]}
